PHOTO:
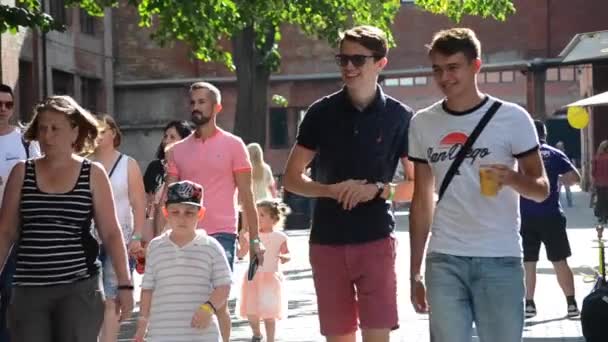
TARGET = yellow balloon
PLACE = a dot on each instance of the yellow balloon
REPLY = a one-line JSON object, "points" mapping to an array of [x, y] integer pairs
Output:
{"points": [[578, 117]]}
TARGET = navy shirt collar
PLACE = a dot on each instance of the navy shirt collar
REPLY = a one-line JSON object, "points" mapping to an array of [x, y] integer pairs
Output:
{"points": [[377, 106]]}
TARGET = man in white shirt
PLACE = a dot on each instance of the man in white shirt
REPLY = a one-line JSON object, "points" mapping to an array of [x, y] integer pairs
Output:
{"points": [[474, 269], [12, 149]]}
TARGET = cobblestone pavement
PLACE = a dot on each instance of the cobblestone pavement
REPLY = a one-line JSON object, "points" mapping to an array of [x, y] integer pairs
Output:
{"points": [[550, 325]]}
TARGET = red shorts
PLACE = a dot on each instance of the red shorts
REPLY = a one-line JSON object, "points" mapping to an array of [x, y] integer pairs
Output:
{"points": [[355, 282]]}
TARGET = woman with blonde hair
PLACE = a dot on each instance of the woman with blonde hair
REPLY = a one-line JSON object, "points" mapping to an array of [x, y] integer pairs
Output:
{"points": [[47, 212], [264, 186], [599, 175], [262, 180], [130, 202]]}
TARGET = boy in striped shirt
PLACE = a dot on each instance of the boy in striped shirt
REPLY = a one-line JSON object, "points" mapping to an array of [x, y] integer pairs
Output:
{"points": [[187, 275]]}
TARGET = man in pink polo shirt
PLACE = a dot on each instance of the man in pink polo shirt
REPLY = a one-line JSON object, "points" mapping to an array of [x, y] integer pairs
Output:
{"points": [[217, 160]]}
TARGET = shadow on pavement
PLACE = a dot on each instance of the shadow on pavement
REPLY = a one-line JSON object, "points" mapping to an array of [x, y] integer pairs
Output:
{"points": [[556, 319], [579, 270], [300, 308], [298, 274]]}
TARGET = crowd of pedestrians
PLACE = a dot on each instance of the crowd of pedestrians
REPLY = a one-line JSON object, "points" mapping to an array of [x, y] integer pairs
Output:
{"points": [[77, 215]]}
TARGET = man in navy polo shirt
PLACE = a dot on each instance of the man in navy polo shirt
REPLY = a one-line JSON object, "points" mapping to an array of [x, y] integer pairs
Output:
{"points": [[545, 222], [358, 135]]}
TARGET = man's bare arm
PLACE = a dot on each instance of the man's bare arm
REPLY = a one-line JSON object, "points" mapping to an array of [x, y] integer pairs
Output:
{"points": [[421, 214], [296, 180]]}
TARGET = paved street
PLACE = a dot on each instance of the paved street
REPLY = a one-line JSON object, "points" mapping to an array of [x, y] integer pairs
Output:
{"points": [[550, 325]]}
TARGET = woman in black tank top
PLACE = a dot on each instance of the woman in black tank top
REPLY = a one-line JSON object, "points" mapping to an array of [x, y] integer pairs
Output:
{"points": [[46, 214]]}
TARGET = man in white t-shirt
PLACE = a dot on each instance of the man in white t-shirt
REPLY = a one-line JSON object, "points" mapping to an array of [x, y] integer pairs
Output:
{"points": [[12, 149], [474, 269]]}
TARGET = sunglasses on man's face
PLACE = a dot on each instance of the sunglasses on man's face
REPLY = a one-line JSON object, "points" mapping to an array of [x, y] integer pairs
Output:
{"points": [[356, 60], [7, 104]]}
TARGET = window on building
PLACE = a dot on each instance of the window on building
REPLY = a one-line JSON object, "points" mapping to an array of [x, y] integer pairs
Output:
{"points": [[58, 11], [507, 76], [566, 74], [492, 77], [391, 82], [420, 80], [89, 90], [552, 74], [63, 83], [87, 22], [406, 81], [279, 133]]}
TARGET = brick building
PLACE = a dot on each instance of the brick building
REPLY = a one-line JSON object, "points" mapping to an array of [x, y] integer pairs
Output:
{"points": [[77, 62], [151, 82]]}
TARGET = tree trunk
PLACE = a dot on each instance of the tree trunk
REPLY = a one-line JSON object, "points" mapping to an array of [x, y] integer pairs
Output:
{"points": [[253, 78]]}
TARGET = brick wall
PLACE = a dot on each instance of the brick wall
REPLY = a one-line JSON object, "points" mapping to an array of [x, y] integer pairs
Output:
{"points": [[541, 28]]}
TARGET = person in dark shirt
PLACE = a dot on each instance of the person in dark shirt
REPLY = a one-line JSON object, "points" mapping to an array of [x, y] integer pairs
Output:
{"points": [[154, 177], [545, 222], [357, 136]]}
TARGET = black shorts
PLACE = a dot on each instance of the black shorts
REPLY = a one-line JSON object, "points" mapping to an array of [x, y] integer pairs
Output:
{"points": [[551, 231]]}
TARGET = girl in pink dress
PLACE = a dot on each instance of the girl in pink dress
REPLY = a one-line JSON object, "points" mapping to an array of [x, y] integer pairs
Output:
{"points": [[263, 298]]}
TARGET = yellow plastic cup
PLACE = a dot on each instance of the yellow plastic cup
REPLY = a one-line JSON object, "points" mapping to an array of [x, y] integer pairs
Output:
{"points": [[488, 186]]}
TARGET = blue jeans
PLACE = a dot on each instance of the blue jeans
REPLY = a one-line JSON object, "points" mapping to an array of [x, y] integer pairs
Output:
{"points": [[6, 287], [108, 275], [487, 291], [228, 242]]}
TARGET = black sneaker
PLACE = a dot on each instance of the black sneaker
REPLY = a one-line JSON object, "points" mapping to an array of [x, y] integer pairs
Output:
{"points": [[257, 338], [530, 310], [573, 311]]}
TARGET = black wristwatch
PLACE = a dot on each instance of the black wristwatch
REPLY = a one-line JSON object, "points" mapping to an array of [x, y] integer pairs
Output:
{"points": [[380, 187]]}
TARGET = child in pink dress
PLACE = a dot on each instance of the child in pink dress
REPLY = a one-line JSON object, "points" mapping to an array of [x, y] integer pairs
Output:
{"points": [[263, 298]]}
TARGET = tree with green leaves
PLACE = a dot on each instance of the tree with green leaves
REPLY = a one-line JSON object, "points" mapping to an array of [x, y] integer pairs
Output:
{"points": [[28, 14], [254, 29]]}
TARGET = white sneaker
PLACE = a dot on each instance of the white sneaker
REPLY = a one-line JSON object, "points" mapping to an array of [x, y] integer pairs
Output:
{"points": [[573, 311], [530, 311]]}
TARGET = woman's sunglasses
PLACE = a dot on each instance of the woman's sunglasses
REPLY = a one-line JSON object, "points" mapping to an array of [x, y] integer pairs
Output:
{"points": [[357, 60], [7, 104]]}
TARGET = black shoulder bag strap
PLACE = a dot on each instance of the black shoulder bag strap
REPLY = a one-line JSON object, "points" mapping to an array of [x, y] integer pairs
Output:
{"points": [[466, 147], [115, 165]]}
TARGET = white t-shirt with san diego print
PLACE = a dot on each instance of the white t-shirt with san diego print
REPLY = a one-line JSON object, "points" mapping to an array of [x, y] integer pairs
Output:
{"points": [[467, 223]]}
